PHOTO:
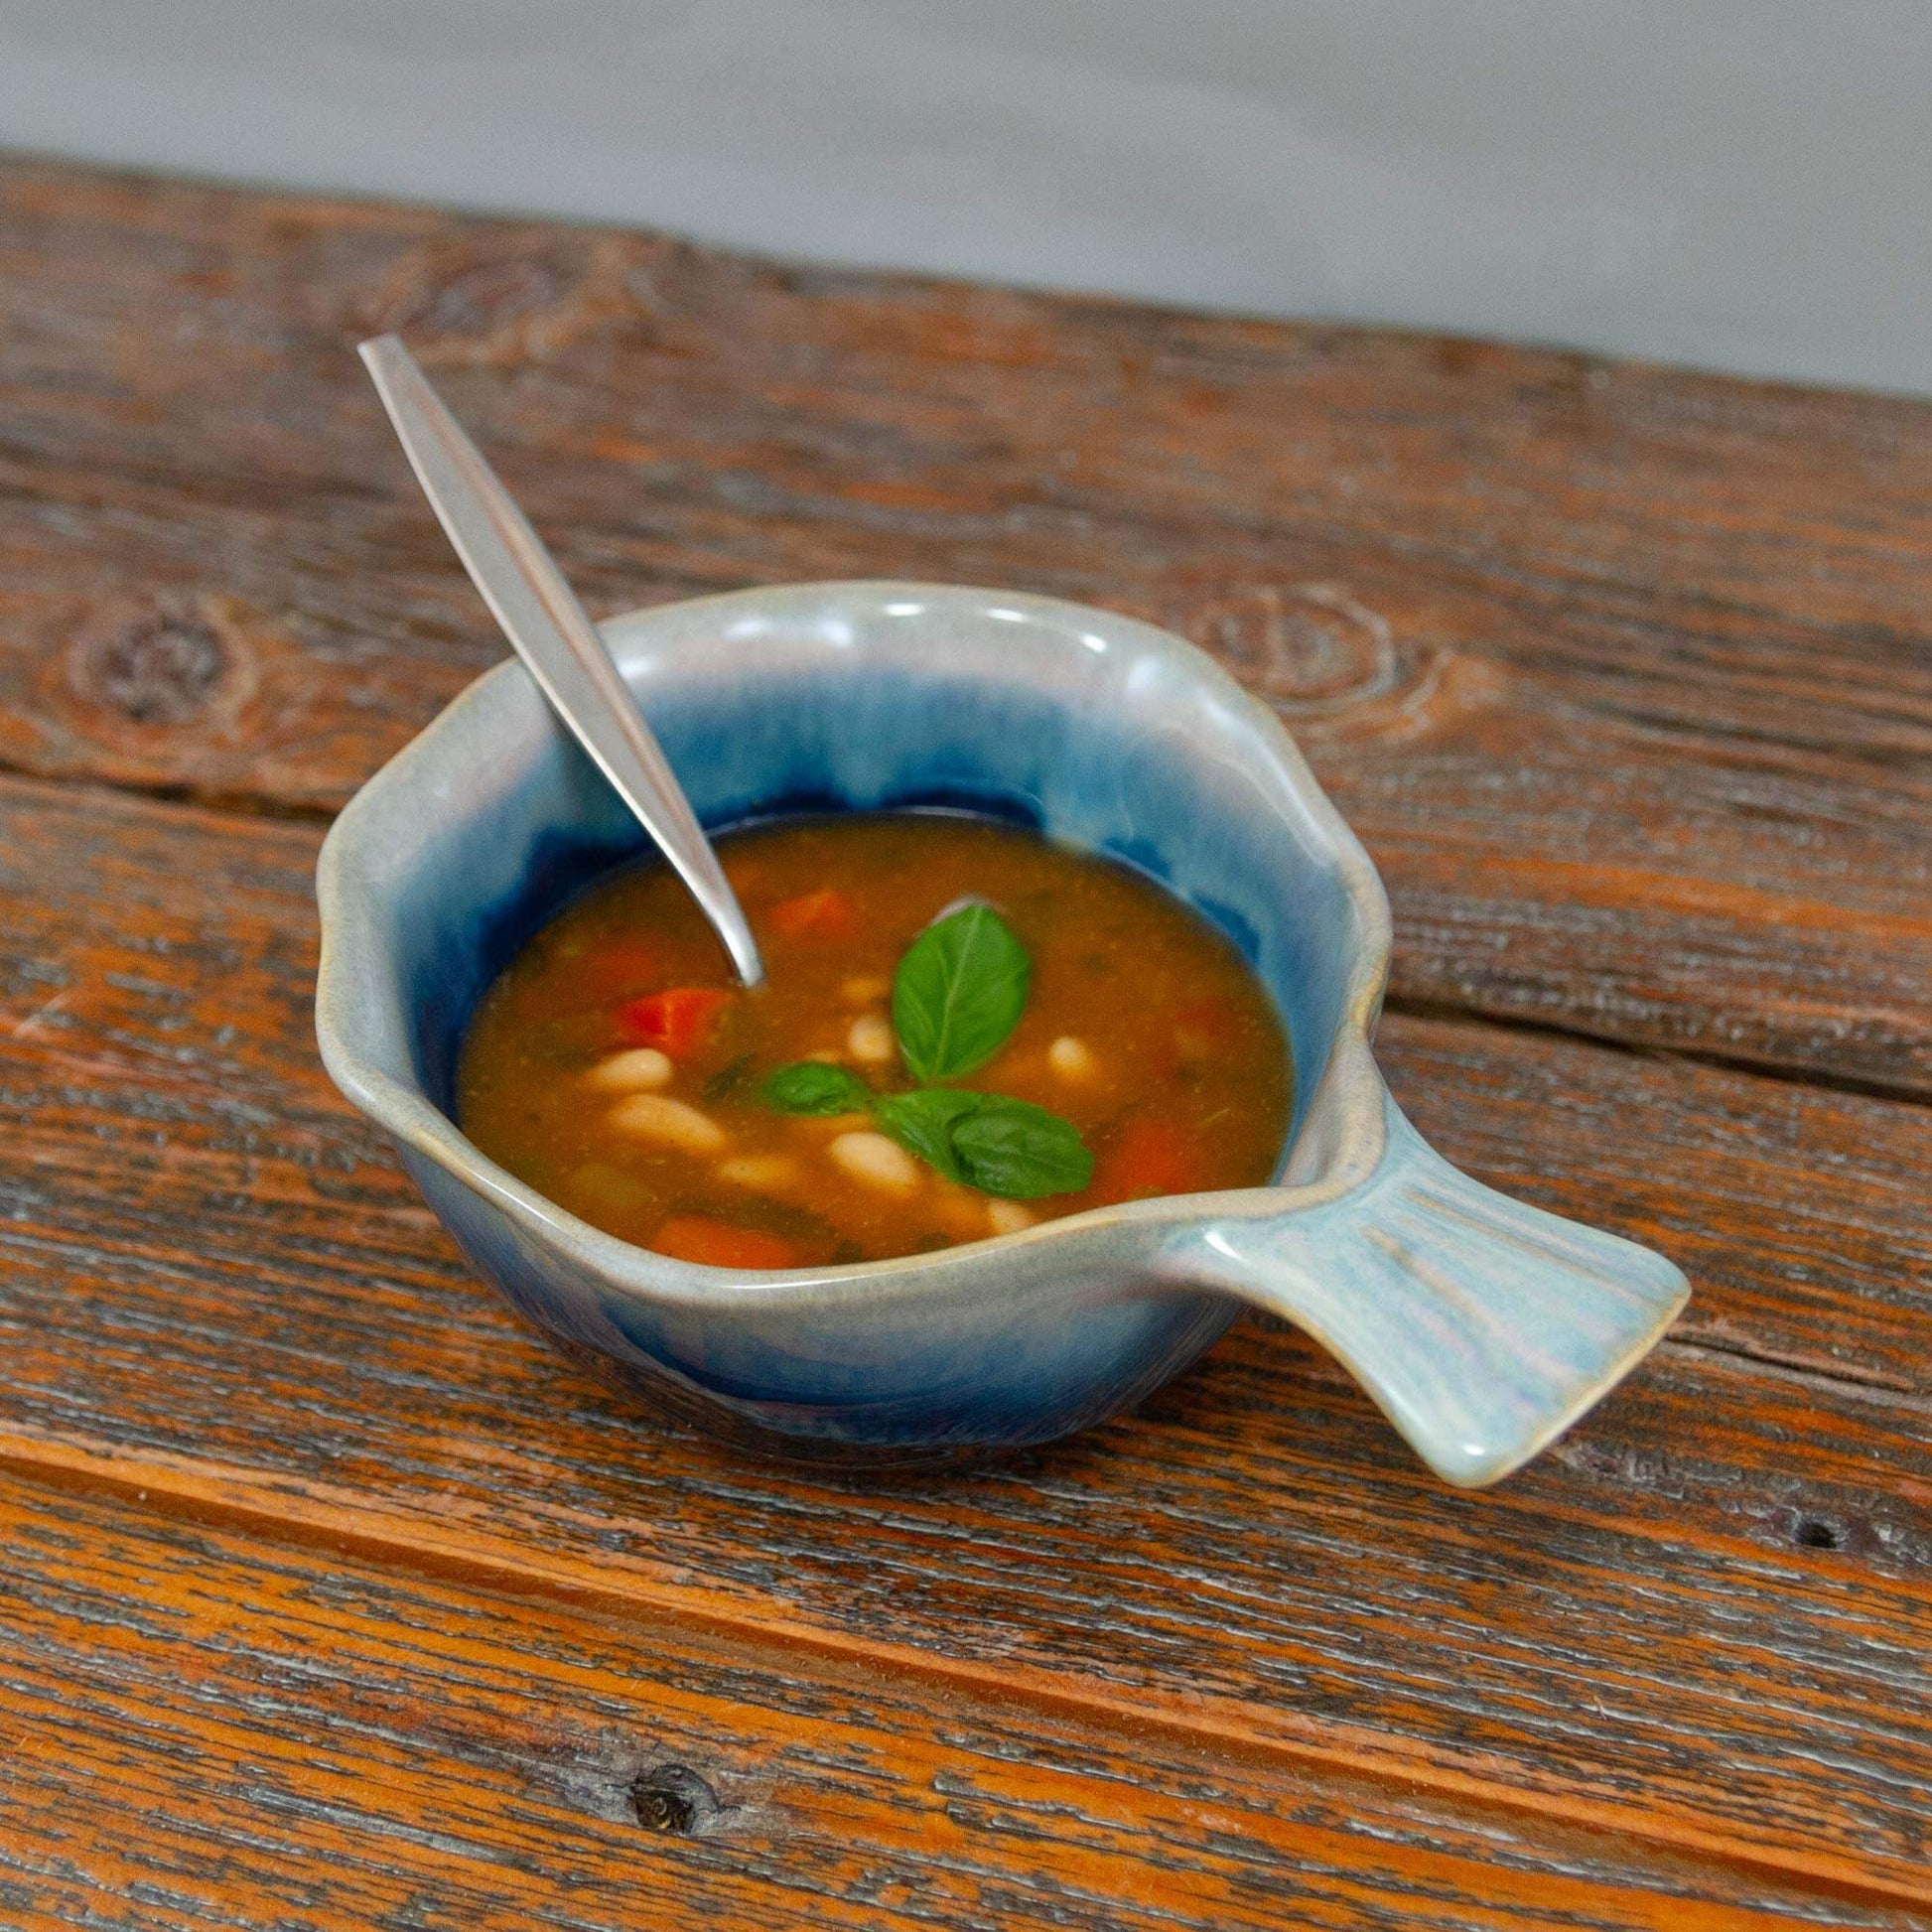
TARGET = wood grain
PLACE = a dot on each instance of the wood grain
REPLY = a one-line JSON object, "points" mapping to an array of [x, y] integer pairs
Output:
{"points": [[217, 1285], [334, 1598], [1625, 674], [220, 1730]]}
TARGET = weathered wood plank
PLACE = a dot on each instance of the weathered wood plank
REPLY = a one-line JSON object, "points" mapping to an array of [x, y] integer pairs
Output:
{"points": [[209, 1265], [158, 962], [1625, 674], [208, 1728]]}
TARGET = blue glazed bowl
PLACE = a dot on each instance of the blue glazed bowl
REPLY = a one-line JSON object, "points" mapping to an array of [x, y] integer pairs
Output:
{"points": [[1482, 1326]]}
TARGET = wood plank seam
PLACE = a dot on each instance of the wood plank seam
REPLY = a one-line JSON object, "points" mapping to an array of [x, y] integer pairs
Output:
{"points": [[1883, 1391], [1756, 1065]]}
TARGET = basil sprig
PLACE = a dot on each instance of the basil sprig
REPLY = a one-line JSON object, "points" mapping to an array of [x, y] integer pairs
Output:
{"points": [[816, 1087], [958, 994], [923, 1120], [998, 1145]]}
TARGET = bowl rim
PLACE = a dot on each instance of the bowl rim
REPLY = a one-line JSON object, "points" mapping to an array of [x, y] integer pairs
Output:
{"points": [[1345, 1110]]}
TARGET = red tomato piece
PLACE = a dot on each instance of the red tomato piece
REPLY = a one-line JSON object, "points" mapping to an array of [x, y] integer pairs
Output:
{"points": [[677, 1021], [1152, 1156], [718, 1244], [825, 915]]}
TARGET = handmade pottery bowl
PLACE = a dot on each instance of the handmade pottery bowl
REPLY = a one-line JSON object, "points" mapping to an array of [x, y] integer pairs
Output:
{"points": [[1482, 1326]]}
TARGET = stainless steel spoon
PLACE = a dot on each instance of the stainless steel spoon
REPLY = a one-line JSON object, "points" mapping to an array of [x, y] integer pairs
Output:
{"points": [[541, 617]]}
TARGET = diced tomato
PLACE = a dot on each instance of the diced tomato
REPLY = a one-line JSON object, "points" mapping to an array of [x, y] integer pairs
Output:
{"points": [[677, 1021], [718, 1244], [1152, 1156], [825, 915]]}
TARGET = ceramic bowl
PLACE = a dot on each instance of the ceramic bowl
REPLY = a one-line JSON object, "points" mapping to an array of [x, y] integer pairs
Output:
{"points": [[1482, 1326]]}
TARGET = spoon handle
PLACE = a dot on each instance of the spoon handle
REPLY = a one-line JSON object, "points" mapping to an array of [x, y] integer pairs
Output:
{"points": [[541, 617]]}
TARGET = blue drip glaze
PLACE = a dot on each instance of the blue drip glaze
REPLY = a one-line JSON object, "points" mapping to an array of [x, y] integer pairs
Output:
{"points": [[1480, 1326]]}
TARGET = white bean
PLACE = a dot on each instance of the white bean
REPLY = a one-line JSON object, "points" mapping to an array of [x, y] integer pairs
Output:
{"points": [[876, 1161], [871, 1040], [765, 1173], [1010, 1216], [640, 1070], [865, 990], [1070, 1058], [670, 1123]]}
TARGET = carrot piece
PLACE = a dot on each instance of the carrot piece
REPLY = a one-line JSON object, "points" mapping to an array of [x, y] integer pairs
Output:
{"points": [[720, 1244], [825, 915], [677, 1021], [1152, 1156]]}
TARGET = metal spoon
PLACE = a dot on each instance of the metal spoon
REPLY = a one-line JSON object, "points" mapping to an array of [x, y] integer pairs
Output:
{"points": [[541, 617]]}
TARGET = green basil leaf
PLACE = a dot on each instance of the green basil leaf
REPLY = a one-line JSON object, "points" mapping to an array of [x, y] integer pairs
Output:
{"points": [[816, 1087], [1020, 1152], [923, 1121], [958, 993]]}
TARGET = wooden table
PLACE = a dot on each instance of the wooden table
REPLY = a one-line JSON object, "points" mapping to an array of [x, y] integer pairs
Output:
{"points": [[333, 1598]]}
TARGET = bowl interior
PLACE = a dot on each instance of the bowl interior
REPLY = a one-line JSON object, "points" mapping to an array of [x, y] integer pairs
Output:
{"points": [[1097, 731]]}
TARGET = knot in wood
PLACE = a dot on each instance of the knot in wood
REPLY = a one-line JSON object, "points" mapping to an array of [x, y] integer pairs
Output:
{"points": [[507, 299], [1310, 648], [161, 669], [488, 294], [672, 1798]]}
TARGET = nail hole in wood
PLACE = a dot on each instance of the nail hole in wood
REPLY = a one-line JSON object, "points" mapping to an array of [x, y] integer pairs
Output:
{"points": [[669, 1797], [1817, 1534]]}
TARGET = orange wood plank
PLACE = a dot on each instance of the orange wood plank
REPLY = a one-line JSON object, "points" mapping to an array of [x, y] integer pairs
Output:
{"points": [[210, 1729]]}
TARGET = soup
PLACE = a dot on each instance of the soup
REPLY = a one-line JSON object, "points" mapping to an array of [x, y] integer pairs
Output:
{"points": [[964, 1030]]}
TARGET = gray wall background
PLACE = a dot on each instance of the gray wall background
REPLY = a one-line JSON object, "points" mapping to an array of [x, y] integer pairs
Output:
{"points": [[1738, 184]]}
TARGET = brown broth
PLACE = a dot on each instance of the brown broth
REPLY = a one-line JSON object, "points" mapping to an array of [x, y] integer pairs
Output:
{"points": [[1179, 1083]]}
